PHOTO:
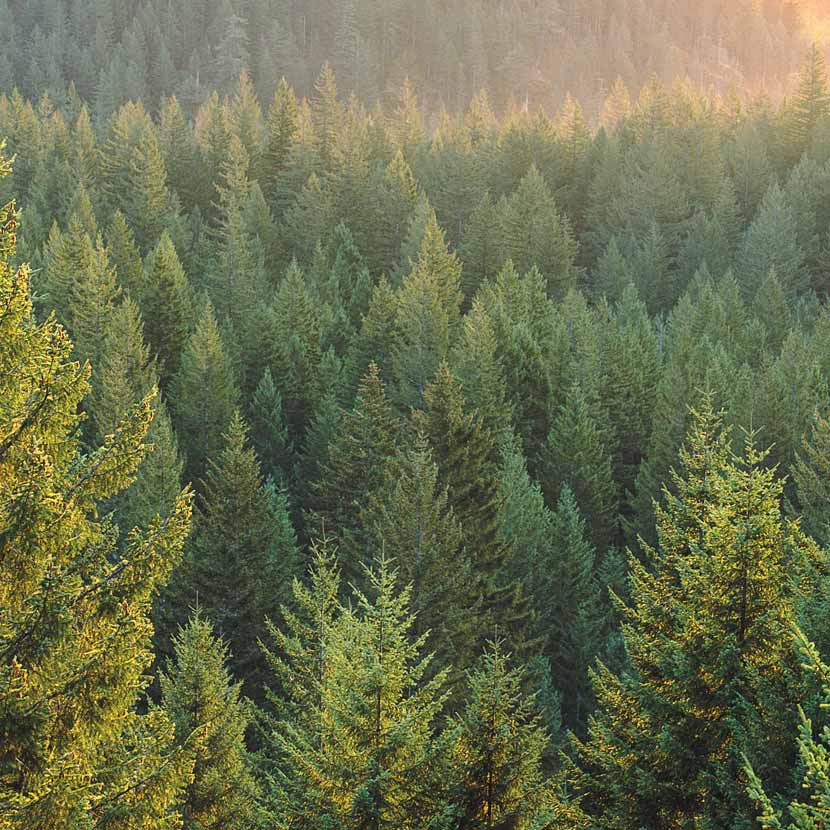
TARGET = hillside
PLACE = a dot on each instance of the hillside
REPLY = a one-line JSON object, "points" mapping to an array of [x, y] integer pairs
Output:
{"points": [[533, 50]]}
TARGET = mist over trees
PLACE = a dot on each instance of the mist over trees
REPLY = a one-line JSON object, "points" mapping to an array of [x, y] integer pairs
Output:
{"points": [[534, 52]]}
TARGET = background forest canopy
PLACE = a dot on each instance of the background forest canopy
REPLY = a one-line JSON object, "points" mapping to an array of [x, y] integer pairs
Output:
{"points": [[431, 457], [112, 51]]}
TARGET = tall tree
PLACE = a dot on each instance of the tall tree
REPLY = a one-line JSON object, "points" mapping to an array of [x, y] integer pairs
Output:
{"points": [[75, 619], [715, 672], [243, 554], [497, 744], [204, 704], [203, 395]]}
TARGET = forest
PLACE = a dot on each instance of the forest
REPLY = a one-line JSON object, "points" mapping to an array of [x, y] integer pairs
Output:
{"points": [[389, 441]]}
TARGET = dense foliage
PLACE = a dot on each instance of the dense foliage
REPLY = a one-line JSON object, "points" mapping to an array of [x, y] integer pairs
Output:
{"points": [[508, 443]]}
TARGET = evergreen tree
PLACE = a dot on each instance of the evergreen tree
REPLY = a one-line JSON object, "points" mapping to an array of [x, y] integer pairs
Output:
{"points": [[203, 396], [497, 744], [269, 435], [715, 671], [204, 704], [579, 453], [94, 293], [373, 765], [411, 516], [811, 103], [166, 307], [353, 471], [282, 127], [126, 375], [466, 454], [536, 234], [124, 256], [243, 554], [810, 474], [75, 752], [570, 610], [427, 315]]}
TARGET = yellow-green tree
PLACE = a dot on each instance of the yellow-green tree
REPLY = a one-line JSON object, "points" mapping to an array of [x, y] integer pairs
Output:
{"points": [[74, 617]]}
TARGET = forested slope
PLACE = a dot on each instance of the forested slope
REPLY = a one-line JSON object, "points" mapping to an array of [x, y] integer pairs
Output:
{"points": [[533, 50], [506, 443]]}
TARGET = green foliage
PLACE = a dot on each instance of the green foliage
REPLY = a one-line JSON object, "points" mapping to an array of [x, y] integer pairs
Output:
{"points": [[74, 629], [242, 556], [203, 395], [708, 637], [204, 704], [496, 747]]}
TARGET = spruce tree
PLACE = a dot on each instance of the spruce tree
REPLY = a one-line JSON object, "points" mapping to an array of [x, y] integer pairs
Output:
{"points": [[354, 471], [74, 637], [124, 257], [812, 101], [410, 515], [372, 766], [579, 453], [810, 474], [281, 128], [427, 315], [570, 609], [209, 714], [536, 234], [466, 453]]}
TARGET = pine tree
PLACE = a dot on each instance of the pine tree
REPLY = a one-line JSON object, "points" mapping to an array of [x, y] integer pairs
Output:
{"points": [[482, 250], [467, 457], [771, 241], [76, 754], [148, 207], [269, 435], [94, 294], [811, 763], [203, 396], [572, 615], [68, 254], [243, 554], [354, 471], [282, 127], [201, 699], [579, 453], [714, 673], [810, 474], [166, 307], [497, 744], [124, 256], [126, 375]]}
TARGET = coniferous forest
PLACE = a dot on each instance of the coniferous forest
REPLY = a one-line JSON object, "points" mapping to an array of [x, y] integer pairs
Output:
{"points": [[414, 416]]}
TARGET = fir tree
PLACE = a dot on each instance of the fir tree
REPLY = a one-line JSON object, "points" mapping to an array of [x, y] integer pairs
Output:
{"points": [[166, 307], [75, 619], [497, 744], [715, 672], [243, 554], [205, 706], [427, 314], [203, 396], [812, 101]]}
